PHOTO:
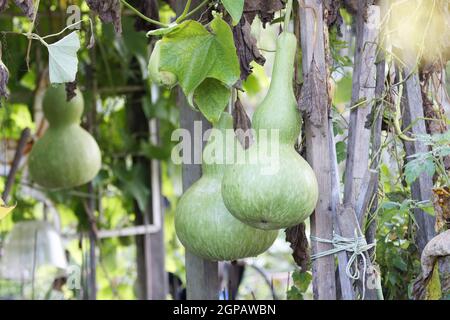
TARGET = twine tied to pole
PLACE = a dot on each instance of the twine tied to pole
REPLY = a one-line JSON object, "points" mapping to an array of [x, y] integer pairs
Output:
{"points": [[357, 246]]}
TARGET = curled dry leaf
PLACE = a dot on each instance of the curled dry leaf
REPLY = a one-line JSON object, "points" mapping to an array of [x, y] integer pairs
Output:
{"points": [[71, 88], [108, 11], [247, 48], [333, 14], [242, 125], [296, 236], [313, 95], [26, 6], [265, 9]]}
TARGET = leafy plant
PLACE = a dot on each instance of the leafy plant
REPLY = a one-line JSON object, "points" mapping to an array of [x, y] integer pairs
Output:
{"points": [[431, 161], [396, 252], [204, 62], [302, 281]]}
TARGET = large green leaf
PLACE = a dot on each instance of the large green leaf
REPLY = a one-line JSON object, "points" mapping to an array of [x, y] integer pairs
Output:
{"points": [[212, 97], [234, 8], [194, 54]]}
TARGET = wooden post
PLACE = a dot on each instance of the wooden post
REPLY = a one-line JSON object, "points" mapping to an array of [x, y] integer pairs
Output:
{"points": [[159, 277], [358, 180], [377, 118], [315, 103], [363, 97], [202, 276], [421, 189], [345, 286]]}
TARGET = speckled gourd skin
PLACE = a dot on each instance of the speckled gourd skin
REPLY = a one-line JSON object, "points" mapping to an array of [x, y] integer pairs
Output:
{"points": [[66, 155], [204, 225], [287, 197]]}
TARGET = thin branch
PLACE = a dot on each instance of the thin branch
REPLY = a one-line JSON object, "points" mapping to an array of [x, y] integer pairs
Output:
{"points": [[201, 5], [142, 16], [185, 12]]}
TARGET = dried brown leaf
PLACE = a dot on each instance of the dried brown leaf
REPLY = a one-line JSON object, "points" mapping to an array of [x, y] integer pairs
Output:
{"points": [[265, 9], [109, 12], [71, 88], [296, 235], [313, 95], [246, 47], [242, 125], [333, 15]]}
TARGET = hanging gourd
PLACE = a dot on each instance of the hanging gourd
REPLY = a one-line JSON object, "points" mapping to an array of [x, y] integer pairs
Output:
{"points": [[67, 155], [202, 222], [277, 190], [161, 78]]}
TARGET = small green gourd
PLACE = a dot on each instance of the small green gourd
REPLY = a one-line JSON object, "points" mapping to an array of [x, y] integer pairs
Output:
{"points": [[66, 155], [202, 222], [161, 78], [279, 198]]}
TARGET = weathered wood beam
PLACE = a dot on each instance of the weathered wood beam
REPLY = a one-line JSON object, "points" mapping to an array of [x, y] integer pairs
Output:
{"points": [[202, 276], [345, 284], [421, 189], [359, 181], [363, 98], [315, 103], [377, 118]]}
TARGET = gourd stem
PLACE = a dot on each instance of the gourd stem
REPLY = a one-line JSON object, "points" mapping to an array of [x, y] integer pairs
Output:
{"points": [[287, 16], [186, 10], [201, 5], [142, 16]]}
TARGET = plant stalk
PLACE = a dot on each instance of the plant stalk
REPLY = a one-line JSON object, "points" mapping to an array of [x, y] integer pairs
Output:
{"points": [[142, 16], [201, 5], [185, 12], [288, 13]]}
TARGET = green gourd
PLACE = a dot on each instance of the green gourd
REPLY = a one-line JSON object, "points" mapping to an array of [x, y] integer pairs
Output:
{"points": [[66, 155], [202, 222], [161, 78], [274, 199]]}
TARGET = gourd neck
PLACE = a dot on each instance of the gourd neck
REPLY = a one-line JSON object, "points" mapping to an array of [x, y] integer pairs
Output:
{"points": [[278, 111], [220, 148], [283, 70], [58, 111]]}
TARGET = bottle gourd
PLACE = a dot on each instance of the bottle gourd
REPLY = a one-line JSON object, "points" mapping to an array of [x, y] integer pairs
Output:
{"points": [[287, 194], [67, 155], [203, 223], [160, 77]]}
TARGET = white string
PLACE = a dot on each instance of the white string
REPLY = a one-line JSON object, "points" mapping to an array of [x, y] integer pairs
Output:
{"points": [[356, 245]]}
